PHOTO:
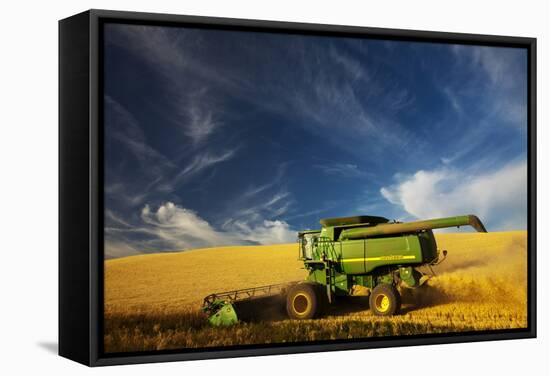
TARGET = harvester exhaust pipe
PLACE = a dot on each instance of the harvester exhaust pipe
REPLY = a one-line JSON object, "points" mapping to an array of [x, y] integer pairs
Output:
{"points": [[409, 227]]}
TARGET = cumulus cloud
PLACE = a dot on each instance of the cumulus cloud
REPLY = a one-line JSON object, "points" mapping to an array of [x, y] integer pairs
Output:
{"points": [[172, 227], [267, 232], [499, 197], [181, 228]]}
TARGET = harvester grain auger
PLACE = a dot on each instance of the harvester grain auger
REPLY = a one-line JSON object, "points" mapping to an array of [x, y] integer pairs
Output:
{"points": [[368, 252]]}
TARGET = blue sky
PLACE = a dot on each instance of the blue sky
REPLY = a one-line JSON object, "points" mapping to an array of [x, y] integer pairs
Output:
{"points": [[225, 137]]}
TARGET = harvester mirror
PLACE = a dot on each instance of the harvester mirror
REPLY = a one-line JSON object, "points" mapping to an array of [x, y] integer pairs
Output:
{"points": [[195, 222]]}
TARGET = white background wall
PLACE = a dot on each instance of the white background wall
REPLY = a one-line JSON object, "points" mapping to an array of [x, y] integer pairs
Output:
{"points": [[28, 189]]}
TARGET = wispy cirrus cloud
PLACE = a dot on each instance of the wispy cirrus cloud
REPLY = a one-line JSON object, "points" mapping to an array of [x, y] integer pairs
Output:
{"points": [[347, 170], [496, 62], [341, 92], [255, 189], [486, 94], [166, 50], [352, 66], [198, 164], [314, 213], [259, 201], [158, 173], [124, 128], [454, 99], [202, 121], [255, 210], [189, 103], [126, 139], [499, 75], [343, 95]]}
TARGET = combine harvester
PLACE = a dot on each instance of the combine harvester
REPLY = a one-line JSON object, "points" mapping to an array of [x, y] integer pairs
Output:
{"points": [[364, 252]]}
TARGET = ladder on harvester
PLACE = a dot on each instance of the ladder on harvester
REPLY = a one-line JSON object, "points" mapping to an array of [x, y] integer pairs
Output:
{"points": [[326, 248]]}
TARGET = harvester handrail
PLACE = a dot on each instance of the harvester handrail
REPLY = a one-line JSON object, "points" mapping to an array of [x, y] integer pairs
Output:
{"points": [[326, 245]]}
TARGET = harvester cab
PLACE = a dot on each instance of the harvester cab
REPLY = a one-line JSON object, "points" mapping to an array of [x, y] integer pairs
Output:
{"points": [[307, 241], [366, 253]]}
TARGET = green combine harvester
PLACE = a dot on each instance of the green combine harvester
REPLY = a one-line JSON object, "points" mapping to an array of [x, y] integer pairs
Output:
{"points": [[346, 255]]}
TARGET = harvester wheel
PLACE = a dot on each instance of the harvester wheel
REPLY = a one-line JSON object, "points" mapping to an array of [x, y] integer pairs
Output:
{"points": [[303, 301], [385, 300]]}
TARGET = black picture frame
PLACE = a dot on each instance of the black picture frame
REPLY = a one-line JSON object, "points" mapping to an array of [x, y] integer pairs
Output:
{"points": [[81, 184]]}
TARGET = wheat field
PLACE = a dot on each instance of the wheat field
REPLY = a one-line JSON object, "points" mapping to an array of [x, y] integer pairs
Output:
{"points": [[152, 302]]}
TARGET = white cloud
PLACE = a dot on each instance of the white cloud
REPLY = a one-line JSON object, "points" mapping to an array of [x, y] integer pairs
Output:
{"points": [[267, 232], [499, 197], [172, 227], [182, 228]]}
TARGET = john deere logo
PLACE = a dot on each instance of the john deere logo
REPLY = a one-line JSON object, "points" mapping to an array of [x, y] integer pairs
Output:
{"points": [[395, 257], [381, 258], [391, 258]]}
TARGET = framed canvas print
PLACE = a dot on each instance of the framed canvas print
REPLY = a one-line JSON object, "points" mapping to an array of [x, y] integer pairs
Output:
{"points": [[239, 187]]}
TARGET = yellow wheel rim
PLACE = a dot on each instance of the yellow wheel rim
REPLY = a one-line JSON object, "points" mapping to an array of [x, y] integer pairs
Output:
{"points": [[301, 303], [382, 303]]}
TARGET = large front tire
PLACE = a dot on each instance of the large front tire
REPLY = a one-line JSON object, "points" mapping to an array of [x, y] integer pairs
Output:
{"points": [[385, 300], [303, 301]]}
